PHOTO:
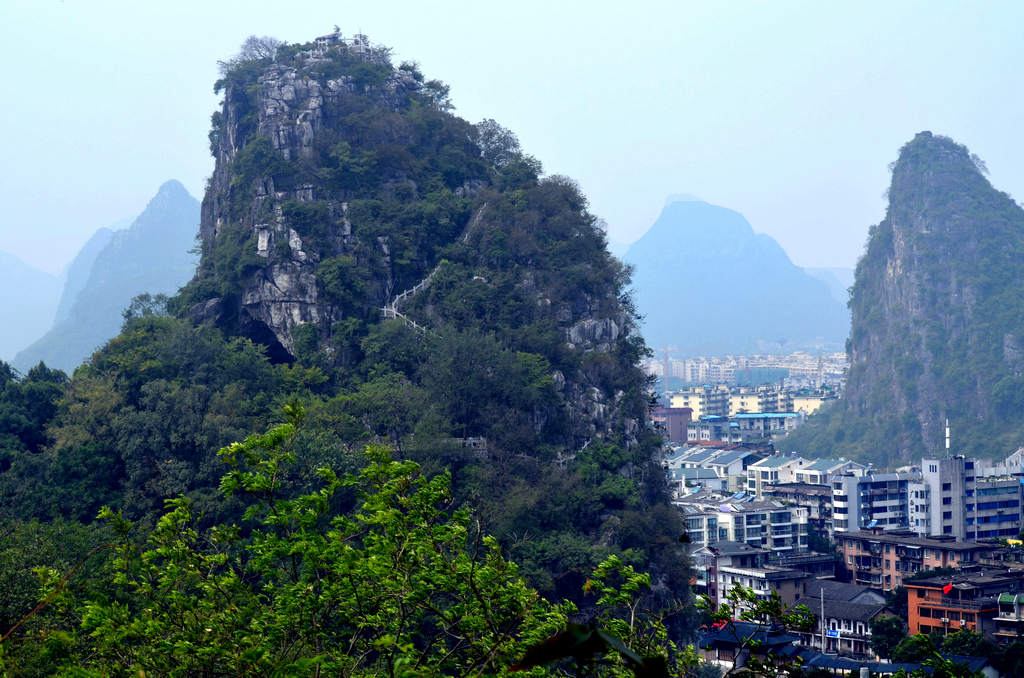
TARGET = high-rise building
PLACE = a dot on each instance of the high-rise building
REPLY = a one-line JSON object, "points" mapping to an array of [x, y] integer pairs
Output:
{"points": [[955, 499]]}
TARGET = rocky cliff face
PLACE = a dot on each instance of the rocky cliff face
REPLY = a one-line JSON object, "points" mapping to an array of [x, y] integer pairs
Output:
{"points": [[937, 310], [291, 108], [342, 182]]}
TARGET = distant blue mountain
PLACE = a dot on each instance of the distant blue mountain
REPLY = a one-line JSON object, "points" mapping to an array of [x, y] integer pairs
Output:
{"points": [[706, 283], [839, 281], [76, 274], [153, 255], [28, 298]]}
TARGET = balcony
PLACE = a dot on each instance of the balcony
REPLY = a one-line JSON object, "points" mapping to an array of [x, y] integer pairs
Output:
{"points": [[966, 604]]}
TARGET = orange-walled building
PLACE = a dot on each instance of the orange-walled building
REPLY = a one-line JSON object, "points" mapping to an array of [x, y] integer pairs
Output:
{"points": [[965, 600]]}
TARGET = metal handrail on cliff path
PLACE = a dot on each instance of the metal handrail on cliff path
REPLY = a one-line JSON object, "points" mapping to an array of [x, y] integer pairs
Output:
{"points": [[390, 309]]}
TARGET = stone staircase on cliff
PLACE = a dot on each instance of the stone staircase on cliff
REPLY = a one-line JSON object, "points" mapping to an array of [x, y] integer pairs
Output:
{"points": [[391, 308]]}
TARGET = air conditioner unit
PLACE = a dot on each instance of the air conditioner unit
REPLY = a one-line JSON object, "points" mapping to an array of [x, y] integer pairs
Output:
{"points": [[945, 620]]}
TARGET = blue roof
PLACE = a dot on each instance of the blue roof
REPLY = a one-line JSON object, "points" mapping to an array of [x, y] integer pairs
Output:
{"points": [[701, 454], [729, 456], [822, 465], [761, 415], [813, 658], [772, 462]]}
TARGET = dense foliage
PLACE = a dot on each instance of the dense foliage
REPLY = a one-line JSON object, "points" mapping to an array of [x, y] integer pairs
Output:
{"points": [[399, 581], [540, 436]]}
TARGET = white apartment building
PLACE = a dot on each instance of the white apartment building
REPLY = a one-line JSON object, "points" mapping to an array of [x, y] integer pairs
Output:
{"points": [[770, 525], [872, 500], [967, 499]]}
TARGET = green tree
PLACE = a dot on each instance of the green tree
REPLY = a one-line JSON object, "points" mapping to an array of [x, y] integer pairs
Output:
{"points": [[914, 648], [764, 614], [886, 633], [921, 648], [968, 643], [403, 584]]}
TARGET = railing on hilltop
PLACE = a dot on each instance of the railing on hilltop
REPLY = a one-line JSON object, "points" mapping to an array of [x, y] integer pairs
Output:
{"points": [[390, 310]]}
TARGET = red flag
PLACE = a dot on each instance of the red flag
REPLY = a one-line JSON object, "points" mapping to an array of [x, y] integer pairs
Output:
{"points": [[947, 588]]}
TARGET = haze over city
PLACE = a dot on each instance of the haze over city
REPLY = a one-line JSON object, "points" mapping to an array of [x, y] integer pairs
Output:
{"points": [[786, 112]]}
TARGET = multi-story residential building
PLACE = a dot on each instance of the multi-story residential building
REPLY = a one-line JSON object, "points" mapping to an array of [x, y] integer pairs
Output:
{"points": [[946, 483], [706, 559], [882, 560], [808, 403], [766, 524], [744, 400], [1009, 619], [955, 498], [806, 371], [836, 590], [871, 500], [966, 600], [726, 564], [752, 400], [813, 563], [714, 428], [684, 481], [733, 461], [844, 626], [821, 471], [672, 422], [817, 499], [729, 461], [703, 401], [994, 508], [766, 425], [779, 468]]}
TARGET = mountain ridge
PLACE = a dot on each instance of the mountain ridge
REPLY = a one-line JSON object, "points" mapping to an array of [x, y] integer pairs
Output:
{"points": [[28, 299], [937, 305], [694, 270], [150, 256]]}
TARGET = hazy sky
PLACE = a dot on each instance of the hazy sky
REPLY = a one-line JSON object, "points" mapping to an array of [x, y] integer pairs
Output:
{"points": [[788, 112]]}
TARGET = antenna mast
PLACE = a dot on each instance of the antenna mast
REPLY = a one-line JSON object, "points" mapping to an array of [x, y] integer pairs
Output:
{"points": [[947, 438]]}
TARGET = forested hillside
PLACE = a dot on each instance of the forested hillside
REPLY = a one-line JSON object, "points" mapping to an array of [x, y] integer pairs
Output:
{"points": [[511, 368], [937, 308]]}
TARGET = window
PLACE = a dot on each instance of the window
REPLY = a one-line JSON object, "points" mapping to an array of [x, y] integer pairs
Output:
{"points": [[947, 515], [946, 487], [932, 468], [947, 501]]}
